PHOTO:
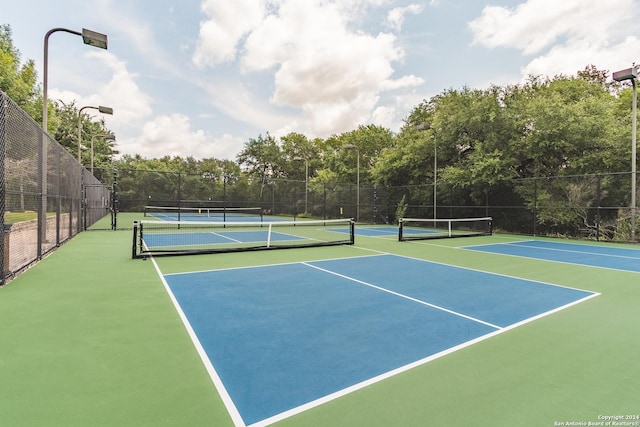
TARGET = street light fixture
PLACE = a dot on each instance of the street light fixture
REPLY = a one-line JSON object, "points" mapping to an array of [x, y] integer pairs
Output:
{"points": [[355, 147], [306, 181], [108, 137], [91, 38], [102, 109], [631, 74]]}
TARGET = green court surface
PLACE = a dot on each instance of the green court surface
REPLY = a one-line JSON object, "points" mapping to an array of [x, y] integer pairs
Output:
{"points": [[90, 337]]}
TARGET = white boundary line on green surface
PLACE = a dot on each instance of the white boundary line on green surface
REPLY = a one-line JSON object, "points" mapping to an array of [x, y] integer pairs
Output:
{"points": [[417, 363], [219, 385], [228, 402]]}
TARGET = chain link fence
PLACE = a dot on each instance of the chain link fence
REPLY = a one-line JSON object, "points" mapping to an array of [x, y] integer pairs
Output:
{"points": [[46, 198], [585, 206]]}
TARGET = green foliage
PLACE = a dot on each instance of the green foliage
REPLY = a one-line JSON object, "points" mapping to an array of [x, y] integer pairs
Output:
{"points": [[623, 226], [16, 79], [261, 157], [481, 142], [401, 208]]}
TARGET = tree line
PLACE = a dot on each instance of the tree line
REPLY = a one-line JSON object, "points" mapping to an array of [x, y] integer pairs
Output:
{"points": [[476, 138]]}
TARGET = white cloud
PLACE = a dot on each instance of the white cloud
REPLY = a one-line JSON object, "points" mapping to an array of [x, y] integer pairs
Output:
{"points": [[172, 135], [537, 24], [121, 92], [395, 17], [571, 57], [227, 22], [324, 69], [565, 35], [384, 116]]}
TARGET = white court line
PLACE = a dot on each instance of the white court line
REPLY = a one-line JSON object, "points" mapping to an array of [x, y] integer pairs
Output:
{"points": [[379, 253], [524, 244], [215, 378], [225, 237], [437, 307], [229, 404], [533, 258], [341, 393]]}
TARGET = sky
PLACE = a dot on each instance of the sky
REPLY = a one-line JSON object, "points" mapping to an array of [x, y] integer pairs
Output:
{"points": [[200, 78]]}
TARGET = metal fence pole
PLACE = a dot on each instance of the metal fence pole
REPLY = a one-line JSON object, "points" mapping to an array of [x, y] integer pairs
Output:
{"points": [[3, 187], [42, 191], [114, 200]]}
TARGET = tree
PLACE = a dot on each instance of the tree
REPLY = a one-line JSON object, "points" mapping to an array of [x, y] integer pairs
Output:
{"points": [[261, 157], [404, 162], [298, 152], [262, 160], [93, 132], [16, 79], [370, 141]]}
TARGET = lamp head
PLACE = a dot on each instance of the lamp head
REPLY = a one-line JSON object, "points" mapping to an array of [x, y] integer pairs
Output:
{"points": [[95, 39], [628, 74]]}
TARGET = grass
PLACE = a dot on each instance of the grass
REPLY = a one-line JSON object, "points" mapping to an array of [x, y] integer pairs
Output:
{"points": [[90, 337], [13, 217]]}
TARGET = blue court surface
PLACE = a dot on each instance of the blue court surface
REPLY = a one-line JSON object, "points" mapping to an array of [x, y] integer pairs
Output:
{"points": [[213, 238], [371, 231], [216, 217], [387, 231], [618, 258], [205, 215], [283, 338]]}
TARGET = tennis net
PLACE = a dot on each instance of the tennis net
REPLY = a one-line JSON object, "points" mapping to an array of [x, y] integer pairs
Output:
{"points": [[158, 238], [180, 213], [424, 228]]}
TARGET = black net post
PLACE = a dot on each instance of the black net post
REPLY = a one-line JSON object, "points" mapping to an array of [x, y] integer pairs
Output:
{"points": [[114, 200], [134, 252]]}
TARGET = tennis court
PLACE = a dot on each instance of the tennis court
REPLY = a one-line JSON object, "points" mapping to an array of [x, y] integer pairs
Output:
{"points": [[286, 337], [380, 332], [214, 238], [596, 256], [205, 214], [374, 231]]}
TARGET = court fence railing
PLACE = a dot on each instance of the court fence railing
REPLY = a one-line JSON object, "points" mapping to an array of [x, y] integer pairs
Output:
{"points": [[595, 206], [46, 195]]}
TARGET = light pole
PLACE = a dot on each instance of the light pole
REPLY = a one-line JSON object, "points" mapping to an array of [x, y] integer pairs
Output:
{"points": [[88, 37], [631, 74], [306, 181], [108, 137], [435, 166], [102, 109], [355, 147]]}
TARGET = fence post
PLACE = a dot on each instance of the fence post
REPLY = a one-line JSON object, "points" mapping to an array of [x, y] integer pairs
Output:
{"points": [[598, 197], [324, 200], [42, 192], [535, 206], [4, 241], [58, 194]]}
